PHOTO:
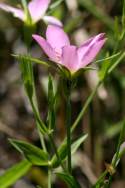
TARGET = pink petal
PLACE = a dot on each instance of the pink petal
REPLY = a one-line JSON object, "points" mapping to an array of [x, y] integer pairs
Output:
{"points": [[56, 37], [15, 11], [88, 51], [46, 47], [82, 49], [70, 58], [52, 20], [37, 8]]}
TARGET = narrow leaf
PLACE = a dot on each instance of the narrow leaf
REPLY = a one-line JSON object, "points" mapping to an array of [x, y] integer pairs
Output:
{"points": [[29, 58], [51, 104], [32, 153], [107, 58], [14, 173], [78, 142], [69, 180], [62, 151], [122, 150], [120, 147], [56, 4], [122, 56]]}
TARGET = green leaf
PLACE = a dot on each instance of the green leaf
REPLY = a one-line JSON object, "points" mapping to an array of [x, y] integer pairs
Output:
{"points": [[82, 70], [32, 153], [41, 126], [120, 147], [14, 173], [122, 150], [51, 104], [31, 59], [108, 58], [55, 4], [28, 80], [62, 151], [27, 75], [123, 14], [69, 180], [78, 142], [50, 91], [107, 63], [117, 28], [114, 65], [120, 154]]}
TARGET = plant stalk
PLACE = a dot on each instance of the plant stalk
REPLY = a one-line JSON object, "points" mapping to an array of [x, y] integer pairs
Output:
{"points": [[55, 150], [88, 101], [68, 124], [68, 127], [49, 177]]}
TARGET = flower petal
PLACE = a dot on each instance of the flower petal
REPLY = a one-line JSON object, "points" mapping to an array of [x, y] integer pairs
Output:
{"points": [[88, 51], [56, 37], [52, 20], [82, 49], [15, 11], [70, 58], [37, 8], [46, 47]]}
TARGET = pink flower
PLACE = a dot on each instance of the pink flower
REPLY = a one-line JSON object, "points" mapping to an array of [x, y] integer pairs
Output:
{"points": [[58, 49], [37, 9]]}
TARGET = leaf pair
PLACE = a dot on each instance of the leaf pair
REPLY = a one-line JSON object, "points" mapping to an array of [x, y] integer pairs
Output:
{"points": [[39, 157]]}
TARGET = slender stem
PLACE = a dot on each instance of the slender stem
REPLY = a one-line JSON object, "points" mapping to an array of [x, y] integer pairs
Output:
{"points": [[33, 101], [49, 177], [122, 132], [88, 101], [101, 178], [68, 87], [38, 121], [68, 127], [114, 162], [56, 152], [42, 141]]}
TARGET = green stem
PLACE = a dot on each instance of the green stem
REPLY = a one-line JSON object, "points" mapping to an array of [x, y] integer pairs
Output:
{"points": [[68, 127], [55, 150], [122, 132], [114, 162], [36, 113], [101, 178], [42, 141], [49, 177], [34, 104], [88, 101], [68, 87], [38, 120]]}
